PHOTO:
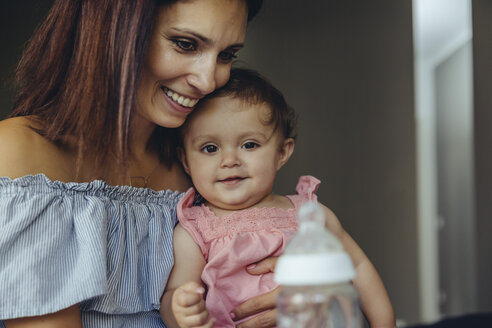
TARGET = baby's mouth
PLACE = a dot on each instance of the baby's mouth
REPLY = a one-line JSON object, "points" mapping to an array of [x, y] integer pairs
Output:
{"points": [[232, 180], [179, 99]]}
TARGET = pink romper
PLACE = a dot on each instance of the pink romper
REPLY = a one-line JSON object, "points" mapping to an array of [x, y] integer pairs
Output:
{"points": [[232, 242]]}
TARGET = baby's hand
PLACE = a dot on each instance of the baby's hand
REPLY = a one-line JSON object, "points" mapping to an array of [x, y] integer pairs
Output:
{"points": [[189, 308]]}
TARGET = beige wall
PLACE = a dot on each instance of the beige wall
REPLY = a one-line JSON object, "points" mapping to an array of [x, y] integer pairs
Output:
{"points": [[347, 67]]}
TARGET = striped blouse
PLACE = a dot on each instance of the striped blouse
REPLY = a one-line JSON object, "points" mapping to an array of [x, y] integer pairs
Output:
{"points": [[106, 248]]}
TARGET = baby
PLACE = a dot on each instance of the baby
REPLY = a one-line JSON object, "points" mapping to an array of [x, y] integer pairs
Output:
{"points": [[232, 147]]}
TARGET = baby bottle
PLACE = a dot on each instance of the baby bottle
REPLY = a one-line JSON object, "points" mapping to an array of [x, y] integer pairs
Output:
{"points": [[316, 275]]}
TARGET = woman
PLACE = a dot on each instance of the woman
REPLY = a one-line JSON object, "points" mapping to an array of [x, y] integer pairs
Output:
{"points": [[89, 175]]}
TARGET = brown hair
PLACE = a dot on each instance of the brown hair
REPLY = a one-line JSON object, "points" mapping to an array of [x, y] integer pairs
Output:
{"points": [[78, 76], [253, 88]]}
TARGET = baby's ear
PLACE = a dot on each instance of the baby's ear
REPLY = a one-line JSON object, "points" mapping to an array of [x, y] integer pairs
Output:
{"points": [[182, 158], [286, 151]]}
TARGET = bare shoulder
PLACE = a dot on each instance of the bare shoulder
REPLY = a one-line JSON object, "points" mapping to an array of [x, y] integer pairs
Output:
{"points": [[17, 129], [12, 125], [23, 151], [17, 141]]}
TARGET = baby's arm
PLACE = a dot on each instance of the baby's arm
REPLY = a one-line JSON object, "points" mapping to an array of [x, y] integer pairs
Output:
{"points": [[182, 304], [374, 299]]}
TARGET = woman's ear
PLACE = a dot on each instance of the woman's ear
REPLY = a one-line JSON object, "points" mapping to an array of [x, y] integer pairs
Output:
{"points": [[182, 158], [286, 151]]}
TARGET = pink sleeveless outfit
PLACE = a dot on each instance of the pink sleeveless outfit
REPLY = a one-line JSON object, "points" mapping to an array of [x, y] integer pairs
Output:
{"points": [[232, 242]]}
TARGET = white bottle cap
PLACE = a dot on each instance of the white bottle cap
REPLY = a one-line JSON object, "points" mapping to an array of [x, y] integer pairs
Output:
{"points": [[314, 269]]}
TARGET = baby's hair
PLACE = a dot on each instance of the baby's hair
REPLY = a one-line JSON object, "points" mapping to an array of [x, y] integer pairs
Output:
{"points": [[251, 87]]}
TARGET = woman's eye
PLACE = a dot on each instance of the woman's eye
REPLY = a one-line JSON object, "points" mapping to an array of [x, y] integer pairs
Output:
{"points": [[185, 45], [250, 145], [227, 56], [209, 149]]}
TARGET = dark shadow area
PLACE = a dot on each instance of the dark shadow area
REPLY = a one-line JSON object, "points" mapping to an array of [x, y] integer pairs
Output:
{"points": [[474, 320], [18, 20]]}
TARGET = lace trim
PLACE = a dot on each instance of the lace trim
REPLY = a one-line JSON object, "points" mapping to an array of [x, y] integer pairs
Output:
{"points": [[249, 220], [205, 226]]}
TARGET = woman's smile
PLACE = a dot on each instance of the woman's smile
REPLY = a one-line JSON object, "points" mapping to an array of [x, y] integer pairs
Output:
{"points": [[180, 99]]}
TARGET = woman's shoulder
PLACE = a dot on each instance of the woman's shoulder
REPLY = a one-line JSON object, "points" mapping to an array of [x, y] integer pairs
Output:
{"points": [[17, 139], [19, 125], [24, 151]]}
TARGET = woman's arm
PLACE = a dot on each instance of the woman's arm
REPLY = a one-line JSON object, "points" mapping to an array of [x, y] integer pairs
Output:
{"points": [[67, 318], [20, 147]]}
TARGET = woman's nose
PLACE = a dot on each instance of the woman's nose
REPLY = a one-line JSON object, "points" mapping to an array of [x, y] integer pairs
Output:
{"points": [[204, 74]]}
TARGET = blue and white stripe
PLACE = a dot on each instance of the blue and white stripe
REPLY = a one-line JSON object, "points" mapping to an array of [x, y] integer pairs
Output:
{"points": [[106, 248]]}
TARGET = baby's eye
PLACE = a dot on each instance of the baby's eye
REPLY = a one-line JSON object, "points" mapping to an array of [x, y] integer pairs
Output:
{"points": [[250, 145], [227, 56], [185, 45], [209, 149]]}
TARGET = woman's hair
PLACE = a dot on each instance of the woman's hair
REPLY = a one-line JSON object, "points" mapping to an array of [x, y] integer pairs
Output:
{"points": [[252, 88], [79, 74]]}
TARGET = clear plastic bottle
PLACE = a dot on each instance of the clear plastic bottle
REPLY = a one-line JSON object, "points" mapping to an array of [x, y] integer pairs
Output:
{"points": [[316, 275]]}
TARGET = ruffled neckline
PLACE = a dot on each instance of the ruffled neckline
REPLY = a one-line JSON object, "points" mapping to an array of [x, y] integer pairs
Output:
{"points": [[96, 187]]}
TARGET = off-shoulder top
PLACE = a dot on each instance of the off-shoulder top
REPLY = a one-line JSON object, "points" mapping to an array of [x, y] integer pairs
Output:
{"points": [[106, 248]]}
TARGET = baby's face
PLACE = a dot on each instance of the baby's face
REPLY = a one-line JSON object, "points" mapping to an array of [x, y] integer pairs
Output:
{"points": [[231, 156]]}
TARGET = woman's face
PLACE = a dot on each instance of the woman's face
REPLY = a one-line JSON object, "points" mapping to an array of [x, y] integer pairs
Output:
{"points": [[190, 54]]}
